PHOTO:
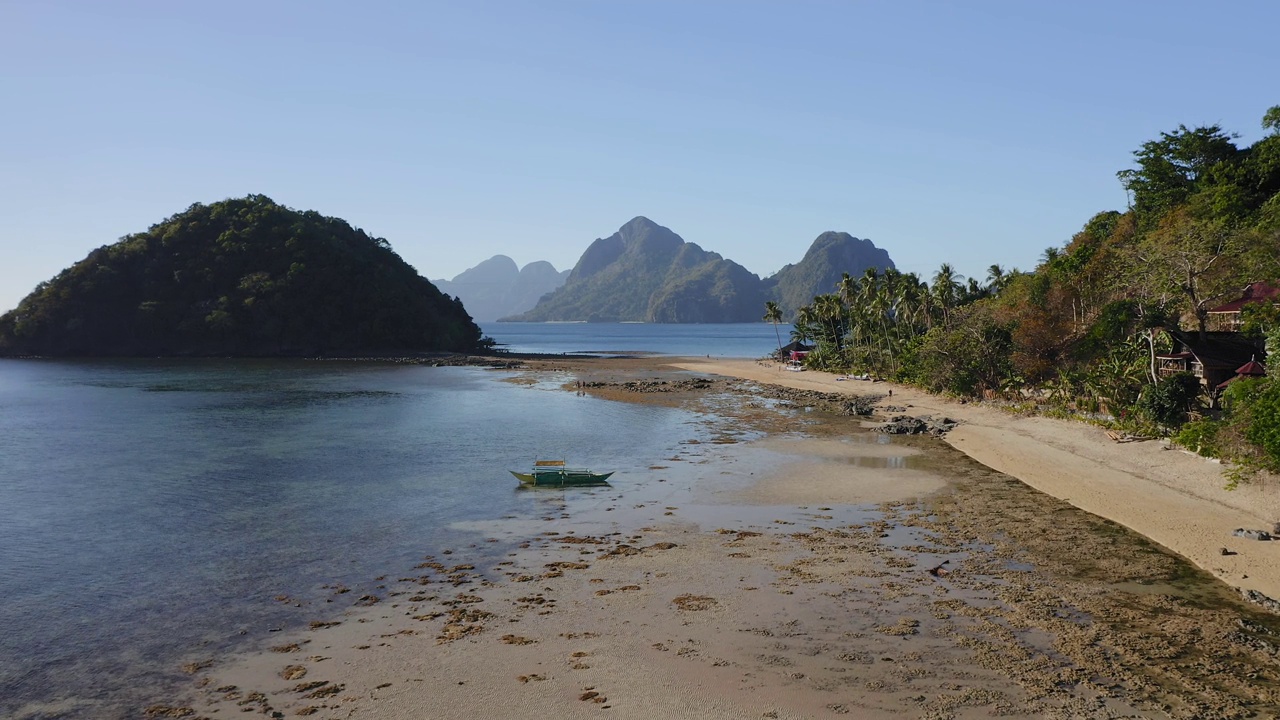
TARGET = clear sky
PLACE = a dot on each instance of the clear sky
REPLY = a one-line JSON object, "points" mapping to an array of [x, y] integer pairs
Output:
{"points": [[972, 132]]}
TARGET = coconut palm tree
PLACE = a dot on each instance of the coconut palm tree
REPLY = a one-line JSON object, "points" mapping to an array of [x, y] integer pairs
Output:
{"points": [[830, 313], [946, 290], [804, 328], [997, 278], [773, 314]]}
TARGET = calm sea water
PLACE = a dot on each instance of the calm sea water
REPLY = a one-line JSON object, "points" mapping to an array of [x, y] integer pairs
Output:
{"points": [[151, 510], [728, 340]]}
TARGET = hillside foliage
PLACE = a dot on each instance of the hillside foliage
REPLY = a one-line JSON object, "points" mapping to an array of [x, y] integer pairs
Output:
{"points": [[1079, 333], [242, 277]]}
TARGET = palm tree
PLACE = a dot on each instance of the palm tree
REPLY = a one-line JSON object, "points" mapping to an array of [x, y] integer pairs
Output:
{"points": [[773, 314], [830, 313], [997, 278], [946, 290], [803, 328]]}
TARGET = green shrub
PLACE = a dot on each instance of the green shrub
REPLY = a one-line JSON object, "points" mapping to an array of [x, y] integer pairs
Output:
{"points": [[1201, 437], [1264, 422], [1169, 401]]}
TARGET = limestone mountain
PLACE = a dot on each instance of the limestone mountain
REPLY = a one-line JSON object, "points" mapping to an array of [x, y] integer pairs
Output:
{"points": [[242, 277], [831, 255], [646, 272], [497, 287]]}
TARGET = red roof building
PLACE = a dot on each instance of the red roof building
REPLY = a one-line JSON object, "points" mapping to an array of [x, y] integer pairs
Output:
{"points": [[1253, 368], [1227, 317]]}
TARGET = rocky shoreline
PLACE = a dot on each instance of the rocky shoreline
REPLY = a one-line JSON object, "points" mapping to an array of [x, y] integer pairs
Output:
{"points": [[987, 596]]}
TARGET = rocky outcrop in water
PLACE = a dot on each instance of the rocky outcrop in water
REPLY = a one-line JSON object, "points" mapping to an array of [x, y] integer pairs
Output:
{"points": [[651, 386], [924, 425], [837, 403]]}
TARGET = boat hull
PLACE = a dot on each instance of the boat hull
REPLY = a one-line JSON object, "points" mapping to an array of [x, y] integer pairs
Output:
{"points": [[561, 478]]}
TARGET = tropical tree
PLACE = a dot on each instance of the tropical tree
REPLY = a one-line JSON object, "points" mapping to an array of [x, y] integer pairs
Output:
{"points": [[1187, 258], [996, 279], [1172, 168], [946, 291], [1271, 119], [773, 314]]}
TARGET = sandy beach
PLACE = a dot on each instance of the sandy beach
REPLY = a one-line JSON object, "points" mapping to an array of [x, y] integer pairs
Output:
{"points": [[798, 565], [1169, 495]]}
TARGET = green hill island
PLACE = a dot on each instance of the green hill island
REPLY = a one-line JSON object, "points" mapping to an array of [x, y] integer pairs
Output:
{"points": [[243, 277]]}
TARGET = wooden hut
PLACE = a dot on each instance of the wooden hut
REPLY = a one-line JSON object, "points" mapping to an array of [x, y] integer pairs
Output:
{"points": [[1213, 358], [1227, 317]]}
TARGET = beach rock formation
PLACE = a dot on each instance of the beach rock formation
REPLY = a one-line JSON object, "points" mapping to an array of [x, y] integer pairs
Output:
{"points": [[907, 425], [242, 277]]}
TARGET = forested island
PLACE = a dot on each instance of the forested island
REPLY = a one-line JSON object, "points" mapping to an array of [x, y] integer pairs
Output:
{"points": [[1147, 319], [240, 277]]}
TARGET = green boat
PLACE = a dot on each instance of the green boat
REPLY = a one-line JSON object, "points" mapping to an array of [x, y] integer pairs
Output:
{"points": [[553, 473]]}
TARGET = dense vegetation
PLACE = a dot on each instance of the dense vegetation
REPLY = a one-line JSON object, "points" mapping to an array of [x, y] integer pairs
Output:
{"points": [[245, 277], [1079, 333]]}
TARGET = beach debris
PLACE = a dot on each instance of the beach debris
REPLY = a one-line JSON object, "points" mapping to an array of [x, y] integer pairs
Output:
{"points": [[904, 627], [1224, 551], [168, 711], [1126, 437], [925, 424], [328, 690], [692, 602], [1251, 534], [192, 668], [940, 570]]}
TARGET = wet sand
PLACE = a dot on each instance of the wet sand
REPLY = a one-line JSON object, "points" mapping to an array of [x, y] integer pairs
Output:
{"points": [[1169, 495], [796, 566]]}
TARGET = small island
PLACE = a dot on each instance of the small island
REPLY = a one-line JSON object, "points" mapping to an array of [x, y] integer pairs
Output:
{"points": [[244, 277]]}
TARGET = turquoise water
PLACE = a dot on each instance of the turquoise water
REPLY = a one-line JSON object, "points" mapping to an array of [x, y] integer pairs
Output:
{"points": [[723, 340], [150, 511]]}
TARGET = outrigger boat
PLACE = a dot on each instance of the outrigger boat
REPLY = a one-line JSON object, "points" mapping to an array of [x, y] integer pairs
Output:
{"points": [[554, 473]]}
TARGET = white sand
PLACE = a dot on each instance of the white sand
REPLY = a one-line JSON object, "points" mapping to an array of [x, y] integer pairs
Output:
{"points": [[1173, 497]]}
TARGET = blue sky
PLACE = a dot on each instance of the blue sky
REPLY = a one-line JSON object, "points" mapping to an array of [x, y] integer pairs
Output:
{"points": [[967, 132]]}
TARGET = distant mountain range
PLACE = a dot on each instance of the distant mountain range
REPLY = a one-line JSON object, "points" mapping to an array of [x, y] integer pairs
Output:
{"points": [[645, 272], [497, 287]]}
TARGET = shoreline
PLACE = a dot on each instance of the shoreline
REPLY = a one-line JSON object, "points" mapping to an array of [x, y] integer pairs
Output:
{"points": [[789, 565], [1172, 497]]}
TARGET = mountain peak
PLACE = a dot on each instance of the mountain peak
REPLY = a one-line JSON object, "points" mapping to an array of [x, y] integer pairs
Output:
{"points": [[639, 222]]}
